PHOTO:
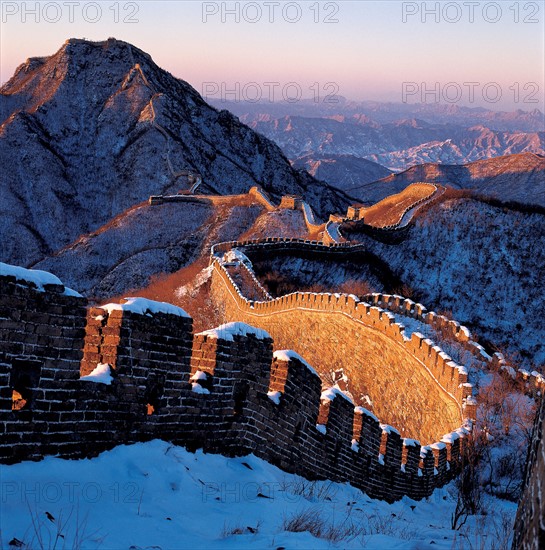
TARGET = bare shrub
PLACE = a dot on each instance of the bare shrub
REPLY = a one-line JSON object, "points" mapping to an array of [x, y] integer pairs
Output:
{"points": [[63, 530], [238, 529], [305, 520], [468, 486], [311, 521]]}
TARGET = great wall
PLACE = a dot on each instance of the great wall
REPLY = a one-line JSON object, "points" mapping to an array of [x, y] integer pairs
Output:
{"points": [[236, 390], [222, 390]]}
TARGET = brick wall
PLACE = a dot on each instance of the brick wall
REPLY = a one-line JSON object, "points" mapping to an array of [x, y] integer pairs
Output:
{"points": [[407, 381], [223, 392], [530, 520]]}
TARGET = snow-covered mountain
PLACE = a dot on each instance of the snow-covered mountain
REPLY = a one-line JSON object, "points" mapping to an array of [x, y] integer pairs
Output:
{"points": [[377, 113], [518, 178], [145, 241], [396, 145], [345, 172], [98, 127], [483, 264]]}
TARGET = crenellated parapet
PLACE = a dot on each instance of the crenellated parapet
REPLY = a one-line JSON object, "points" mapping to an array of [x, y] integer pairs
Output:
{"points": [[367, 341], [75, 381], [533, 382]]}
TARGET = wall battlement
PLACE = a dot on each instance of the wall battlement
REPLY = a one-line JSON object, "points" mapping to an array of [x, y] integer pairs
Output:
{"points": [[223, 390], [335, 331]]}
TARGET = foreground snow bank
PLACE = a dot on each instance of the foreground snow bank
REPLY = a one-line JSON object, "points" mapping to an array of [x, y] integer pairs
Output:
{"points": [[152, 495]]}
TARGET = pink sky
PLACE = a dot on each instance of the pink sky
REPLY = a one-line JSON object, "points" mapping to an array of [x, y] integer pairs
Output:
{"points": [[367, 50]]}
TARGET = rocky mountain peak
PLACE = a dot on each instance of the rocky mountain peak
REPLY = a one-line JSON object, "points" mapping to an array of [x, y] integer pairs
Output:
{"points": [[98, 127]]}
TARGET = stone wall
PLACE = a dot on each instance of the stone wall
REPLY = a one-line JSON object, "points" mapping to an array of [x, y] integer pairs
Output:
{"points": [[530, 520], [410, 382], [223, 390]]}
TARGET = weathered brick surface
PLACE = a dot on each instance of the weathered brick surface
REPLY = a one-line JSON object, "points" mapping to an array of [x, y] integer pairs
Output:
{"points": [[530, 520], [202, 391], [405, 382]]}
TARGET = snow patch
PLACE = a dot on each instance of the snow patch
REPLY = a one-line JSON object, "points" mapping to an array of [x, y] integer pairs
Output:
{"points": [[366, 412], [143, 306], [101, 374], [274, 396], [287, 354], [191, 288], [35, 276], [227, 331], [330, 394]]}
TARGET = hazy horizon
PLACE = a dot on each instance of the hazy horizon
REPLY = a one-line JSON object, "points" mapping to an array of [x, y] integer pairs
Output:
{"points": [[398, 52]]}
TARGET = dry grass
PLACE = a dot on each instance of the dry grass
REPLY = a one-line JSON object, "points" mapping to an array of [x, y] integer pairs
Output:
{"points": [[196, 301], [389, 210]]}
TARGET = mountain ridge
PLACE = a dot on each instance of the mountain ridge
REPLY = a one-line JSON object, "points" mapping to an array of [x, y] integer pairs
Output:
{"points": [[98, 127], [517, 178]]}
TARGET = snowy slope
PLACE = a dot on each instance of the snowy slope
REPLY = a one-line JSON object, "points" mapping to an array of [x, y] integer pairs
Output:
{"points": [[98, 127], [482, 263], [147, 240], [156, 495]]}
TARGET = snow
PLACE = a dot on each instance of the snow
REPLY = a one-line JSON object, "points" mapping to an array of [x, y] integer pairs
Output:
{"points": [[227, 331], [333, 231], [197, 388], [386, 428], [410, 442], [309, 214], [274, 396], [321, 428], [35, 276], [236, 256], [100, 375], [287, 354], [198, 375], [143, 306], [330, 394], [158, 495], [192, 288], [451, 437], [489, 274]]}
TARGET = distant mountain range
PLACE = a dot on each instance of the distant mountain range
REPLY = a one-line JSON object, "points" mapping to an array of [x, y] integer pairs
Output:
{"points": [[378, 113], [518, 178], [98, 127], [397, 145], [346, 172]]}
